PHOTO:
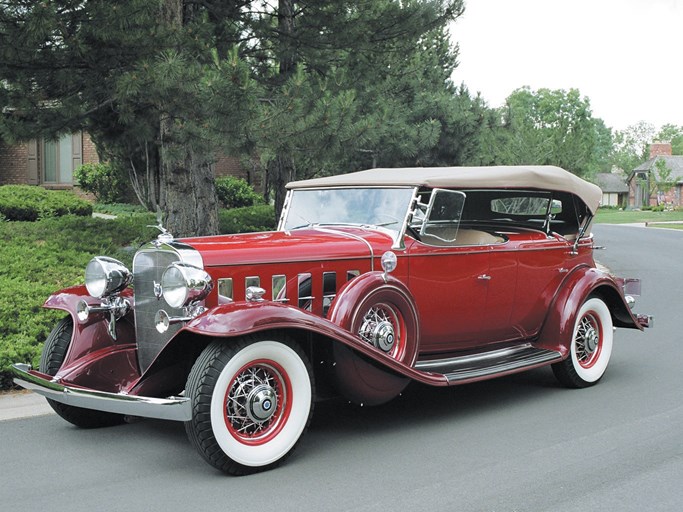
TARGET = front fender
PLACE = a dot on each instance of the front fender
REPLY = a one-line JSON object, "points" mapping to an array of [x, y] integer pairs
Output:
{"points": [[582, 282], [239, 318], [92, 335]]}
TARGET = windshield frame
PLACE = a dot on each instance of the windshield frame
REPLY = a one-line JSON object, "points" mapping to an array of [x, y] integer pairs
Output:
{"points": [[397, 234]]}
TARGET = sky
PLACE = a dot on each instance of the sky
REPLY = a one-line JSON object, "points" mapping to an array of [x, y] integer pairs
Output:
{"points": [[626, 56]]}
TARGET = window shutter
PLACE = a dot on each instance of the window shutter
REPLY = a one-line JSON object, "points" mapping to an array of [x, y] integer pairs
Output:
{"points": [[32, 174], [77, 150]]}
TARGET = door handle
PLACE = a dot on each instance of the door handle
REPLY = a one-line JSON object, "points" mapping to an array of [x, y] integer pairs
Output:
{"points": [[484, 277]]}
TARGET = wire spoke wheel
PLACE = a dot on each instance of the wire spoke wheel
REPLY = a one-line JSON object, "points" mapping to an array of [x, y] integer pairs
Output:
{"points": [[383, 327], [587, 341], [256, 403]]}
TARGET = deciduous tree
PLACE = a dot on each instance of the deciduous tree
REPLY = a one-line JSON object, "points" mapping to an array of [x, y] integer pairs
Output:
{"points": [[552, 127]]}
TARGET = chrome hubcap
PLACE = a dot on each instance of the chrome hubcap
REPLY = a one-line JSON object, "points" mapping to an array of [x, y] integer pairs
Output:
{"points": [[378, 328], [262, 403], [383, 336]]}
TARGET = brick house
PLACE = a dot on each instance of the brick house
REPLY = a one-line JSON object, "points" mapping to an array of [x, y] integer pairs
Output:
{"points": [[640, 181], [51, 163]]}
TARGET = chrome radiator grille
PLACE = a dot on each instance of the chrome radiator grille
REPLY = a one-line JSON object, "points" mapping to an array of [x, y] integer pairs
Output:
{"points": [[148, 267]]}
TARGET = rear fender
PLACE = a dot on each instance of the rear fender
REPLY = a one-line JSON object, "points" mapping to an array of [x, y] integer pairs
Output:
{"points": [[580, 284]]}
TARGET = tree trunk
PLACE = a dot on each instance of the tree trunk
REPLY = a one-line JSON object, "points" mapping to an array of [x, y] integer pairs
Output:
{"points": [[187, 191], [188, 196], [283, 170]]}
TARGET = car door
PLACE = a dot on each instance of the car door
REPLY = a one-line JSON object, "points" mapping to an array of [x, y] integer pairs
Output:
{"points": [[542, 266], [447, 276], [450, 288]]}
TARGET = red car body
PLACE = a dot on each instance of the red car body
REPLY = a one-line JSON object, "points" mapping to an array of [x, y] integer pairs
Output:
{"points": [[452, 290]]}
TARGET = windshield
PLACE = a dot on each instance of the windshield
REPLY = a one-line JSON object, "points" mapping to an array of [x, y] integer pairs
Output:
{"points": [[384, 207]]}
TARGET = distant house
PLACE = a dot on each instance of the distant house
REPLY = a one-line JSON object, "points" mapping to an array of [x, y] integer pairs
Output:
{"points": [[642, 190], [51, 164], [614, 189]]}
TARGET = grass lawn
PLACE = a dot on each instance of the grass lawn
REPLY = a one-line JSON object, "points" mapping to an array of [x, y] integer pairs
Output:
{"points": [[632, 216]]}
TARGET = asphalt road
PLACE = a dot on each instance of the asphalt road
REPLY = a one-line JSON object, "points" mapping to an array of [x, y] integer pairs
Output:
{"points": [[520, 443]]}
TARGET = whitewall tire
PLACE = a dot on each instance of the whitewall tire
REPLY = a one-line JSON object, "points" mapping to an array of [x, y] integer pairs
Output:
{"points": [[590, 348], [252, 401]]}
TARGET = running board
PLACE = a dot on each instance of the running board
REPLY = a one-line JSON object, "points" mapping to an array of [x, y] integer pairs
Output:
{"points": [[489, 364]]}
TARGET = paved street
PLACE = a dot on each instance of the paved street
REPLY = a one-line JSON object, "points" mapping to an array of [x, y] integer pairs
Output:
{"points": [[520, 443]]}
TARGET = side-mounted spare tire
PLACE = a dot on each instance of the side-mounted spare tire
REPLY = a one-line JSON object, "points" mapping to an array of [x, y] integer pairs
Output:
{"points": [[381, 313]]}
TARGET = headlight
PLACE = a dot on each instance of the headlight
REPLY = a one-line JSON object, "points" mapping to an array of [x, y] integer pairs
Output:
{"points": [[182, 284], [106, 276]]}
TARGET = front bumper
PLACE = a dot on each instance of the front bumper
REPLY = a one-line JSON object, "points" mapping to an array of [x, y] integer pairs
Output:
{"points": [[171, 408]]}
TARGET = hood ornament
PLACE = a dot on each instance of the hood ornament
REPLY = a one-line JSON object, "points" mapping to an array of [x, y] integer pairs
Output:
{"points": [[164, 236]]}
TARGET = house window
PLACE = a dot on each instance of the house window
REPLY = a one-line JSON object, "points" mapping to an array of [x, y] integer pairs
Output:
{"points": [[60, 158]]}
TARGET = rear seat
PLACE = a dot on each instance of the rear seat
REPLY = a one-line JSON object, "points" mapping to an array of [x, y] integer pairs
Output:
{"points": [[463, 237]]}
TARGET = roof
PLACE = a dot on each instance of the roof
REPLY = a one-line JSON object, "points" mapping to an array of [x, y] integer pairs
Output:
{"points": [[609, 182], [673, 162], [536, 177]]}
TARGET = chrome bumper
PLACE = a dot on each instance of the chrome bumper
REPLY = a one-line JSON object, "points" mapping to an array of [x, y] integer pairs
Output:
{"points": [[172, 408]]}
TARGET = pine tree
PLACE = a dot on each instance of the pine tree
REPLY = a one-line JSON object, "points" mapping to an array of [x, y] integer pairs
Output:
{"points": [[342, 83]]}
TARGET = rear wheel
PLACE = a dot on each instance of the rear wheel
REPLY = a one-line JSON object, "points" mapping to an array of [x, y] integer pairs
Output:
{"points": [[591, 346], [51, 361], [252, 400]]}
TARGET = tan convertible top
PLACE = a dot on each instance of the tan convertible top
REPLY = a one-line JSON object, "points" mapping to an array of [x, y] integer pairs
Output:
{"points": [[536, 177]]}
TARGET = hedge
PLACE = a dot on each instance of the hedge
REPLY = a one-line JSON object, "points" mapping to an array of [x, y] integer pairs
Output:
{"points": [[31, 203]]}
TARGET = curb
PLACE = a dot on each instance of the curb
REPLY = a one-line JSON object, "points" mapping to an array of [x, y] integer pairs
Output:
{"points": [[23, 404]]}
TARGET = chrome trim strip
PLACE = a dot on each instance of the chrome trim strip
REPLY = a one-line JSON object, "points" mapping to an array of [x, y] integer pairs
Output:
{"points": [[355, 237], [482, 365], [491, 354], [171, 408], [399, 244]]}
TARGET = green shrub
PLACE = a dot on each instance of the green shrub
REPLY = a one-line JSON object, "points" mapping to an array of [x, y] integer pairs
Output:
{"points": [[119, 208], [31, 203], [249, 219], [235, 192], [106, 182]]}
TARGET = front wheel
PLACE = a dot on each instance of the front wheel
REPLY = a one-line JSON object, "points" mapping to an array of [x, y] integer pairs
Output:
{"points": [[252, 400], [591, 346]]}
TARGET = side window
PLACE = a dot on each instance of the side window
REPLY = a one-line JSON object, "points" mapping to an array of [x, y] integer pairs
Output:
{"points": [[521, 205]]}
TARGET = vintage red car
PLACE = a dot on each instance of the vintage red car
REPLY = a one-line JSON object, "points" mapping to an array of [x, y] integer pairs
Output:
{"points": [[372, 280]]}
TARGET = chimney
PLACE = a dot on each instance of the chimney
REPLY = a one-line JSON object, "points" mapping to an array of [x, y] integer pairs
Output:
{"points": [[660, 149]]}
